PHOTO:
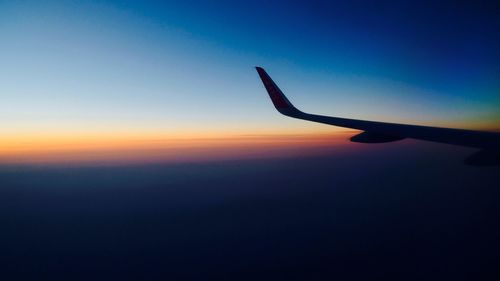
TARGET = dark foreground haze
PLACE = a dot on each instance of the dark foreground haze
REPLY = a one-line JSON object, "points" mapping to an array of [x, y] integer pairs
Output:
{"points": [[388, 211]]}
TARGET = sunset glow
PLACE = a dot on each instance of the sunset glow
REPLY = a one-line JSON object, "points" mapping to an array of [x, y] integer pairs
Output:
{"points": [[127, 149]]}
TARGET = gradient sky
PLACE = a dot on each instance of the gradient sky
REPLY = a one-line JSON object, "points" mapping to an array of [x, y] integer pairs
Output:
{"points": [[138, 143], [121, 71]]}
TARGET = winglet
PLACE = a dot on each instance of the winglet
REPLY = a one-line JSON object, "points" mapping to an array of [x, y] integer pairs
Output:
{"points": [[281, 103]]}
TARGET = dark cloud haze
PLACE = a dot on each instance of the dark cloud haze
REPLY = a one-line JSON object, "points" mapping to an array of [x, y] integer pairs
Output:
{"points": [[410, 211]]}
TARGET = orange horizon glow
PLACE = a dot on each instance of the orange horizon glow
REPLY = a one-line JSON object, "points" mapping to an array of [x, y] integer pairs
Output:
{"points": [[126, 148]]}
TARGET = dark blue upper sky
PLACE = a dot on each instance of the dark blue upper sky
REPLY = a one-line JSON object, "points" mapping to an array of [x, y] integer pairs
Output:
{"points": [[442, 42]]}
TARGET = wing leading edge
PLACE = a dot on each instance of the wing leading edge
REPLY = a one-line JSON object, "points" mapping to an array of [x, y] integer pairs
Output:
{"points": [[377, 132]]}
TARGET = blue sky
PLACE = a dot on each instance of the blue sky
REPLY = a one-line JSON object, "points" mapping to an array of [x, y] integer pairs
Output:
{"points": [[179, 68]]}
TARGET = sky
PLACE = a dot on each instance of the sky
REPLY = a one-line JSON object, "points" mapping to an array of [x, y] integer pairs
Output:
{"points": [[76, 75]]}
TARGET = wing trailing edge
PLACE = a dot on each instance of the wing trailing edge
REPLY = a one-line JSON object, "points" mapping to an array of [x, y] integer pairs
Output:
{"points": [[380, 132]]}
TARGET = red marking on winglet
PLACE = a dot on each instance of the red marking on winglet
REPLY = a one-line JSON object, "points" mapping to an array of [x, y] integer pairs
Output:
{"points": [[273, 91], [277, 98]]}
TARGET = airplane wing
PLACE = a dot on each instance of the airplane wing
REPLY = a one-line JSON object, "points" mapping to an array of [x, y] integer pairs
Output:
{"points": [[380, 132]]}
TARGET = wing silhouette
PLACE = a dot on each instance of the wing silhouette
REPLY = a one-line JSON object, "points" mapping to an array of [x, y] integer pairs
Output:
{"points": [[380, 132]]}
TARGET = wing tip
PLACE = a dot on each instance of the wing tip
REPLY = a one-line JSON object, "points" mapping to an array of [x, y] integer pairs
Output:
{"points": [[279, 100]]}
